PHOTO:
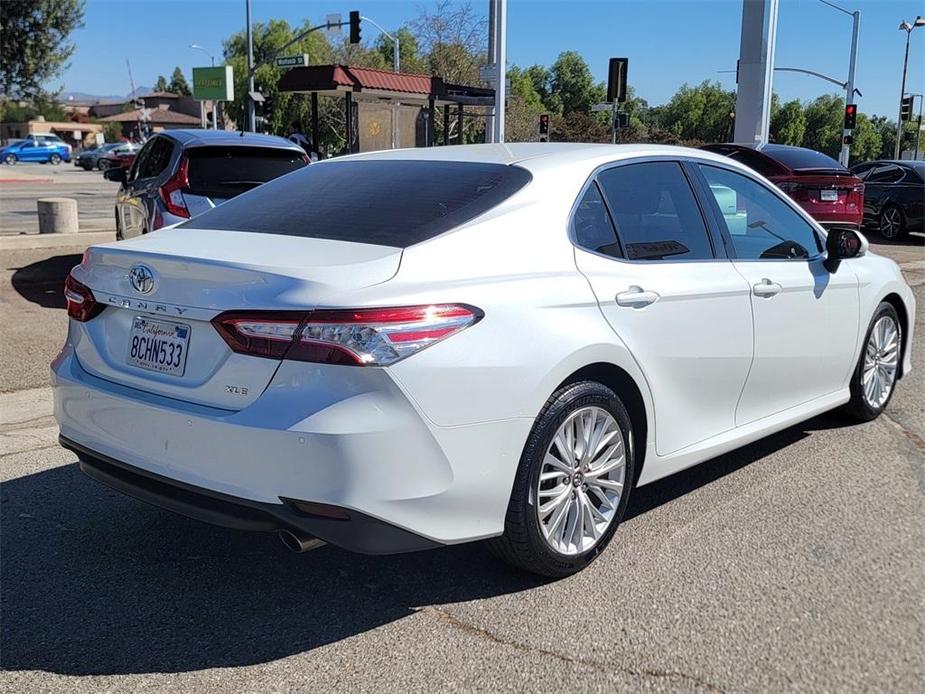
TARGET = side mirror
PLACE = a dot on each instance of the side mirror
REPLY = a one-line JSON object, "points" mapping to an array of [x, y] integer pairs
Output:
{"points": [[841, 244], [117, 173]]}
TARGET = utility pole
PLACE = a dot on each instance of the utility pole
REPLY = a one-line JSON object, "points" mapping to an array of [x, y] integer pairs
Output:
{"points": [[852, 62], [497, 52], [908, 28], [251, 121]]}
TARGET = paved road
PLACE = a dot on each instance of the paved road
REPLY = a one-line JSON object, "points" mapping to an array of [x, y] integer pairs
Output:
{"points": [[797, 564], [95, 196]]}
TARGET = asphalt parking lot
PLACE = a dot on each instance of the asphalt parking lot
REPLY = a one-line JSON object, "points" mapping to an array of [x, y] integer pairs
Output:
{"points": [[794, 564], [21, 185]]}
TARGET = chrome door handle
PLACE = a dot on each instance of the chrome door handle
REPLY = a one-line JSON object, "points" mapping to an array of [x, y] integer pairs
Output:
{"points": [[636, 297], [766, 288]]}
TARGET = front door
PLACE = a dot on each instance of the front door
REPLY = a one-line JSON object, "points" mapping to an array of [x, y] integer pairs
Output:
{"points": [[675, 302], [806, 318]]}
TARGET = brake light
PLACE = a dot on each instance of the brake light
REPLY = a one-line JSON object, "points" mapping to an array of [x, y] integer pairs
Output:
{"points": [[795, 190], [172, 190], [81, 304], [355, 337]]}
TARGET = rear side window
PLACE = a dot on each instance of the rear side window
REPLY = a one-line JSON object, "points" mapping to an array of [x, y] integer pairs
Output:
{"points": [[224, 172], [889, 173], [591, 224], [386, 202], [156, 159], [656, 214]]}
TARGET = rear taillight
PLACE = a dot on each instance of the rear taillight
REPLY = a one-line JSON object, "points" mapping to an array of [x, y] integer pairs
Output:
{"points": [[795, 190], [172, 191], [357, 337], [81, 305]]}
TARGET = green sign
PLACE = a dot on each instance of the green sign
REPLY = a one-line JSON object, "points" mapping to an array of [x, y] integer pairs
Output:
{"points": [[213, 83], [292, 61]]}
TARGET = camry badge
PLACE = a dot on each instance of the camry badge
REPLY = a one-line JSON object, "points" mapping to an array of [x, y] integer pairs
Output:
{"points": [[142, 279]]}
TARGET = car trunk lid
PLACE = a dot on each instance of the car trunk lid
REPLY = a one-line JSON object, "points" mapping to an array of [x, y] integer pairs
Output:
{"points": [[195, 275]]}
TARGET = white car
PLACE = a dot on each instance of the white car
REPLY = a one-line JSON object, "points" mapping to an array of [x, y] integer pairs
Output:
{"points": [[401, 350]]}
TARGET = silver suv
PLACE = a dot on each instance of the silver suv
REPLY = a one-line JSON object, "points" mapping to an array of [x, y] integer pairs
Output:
{"points": [[179, 174]]}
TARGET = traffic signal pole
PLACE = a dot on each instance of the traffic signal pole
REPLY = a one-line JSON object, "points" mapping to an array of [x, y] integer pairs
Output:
{"points": [[849, 85], [902, 92], [251, 124]]}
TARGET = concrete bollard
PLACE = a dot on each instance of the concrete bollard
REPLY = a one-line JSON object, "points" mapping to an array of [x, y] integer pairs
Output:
{"points": [[58, 216]]}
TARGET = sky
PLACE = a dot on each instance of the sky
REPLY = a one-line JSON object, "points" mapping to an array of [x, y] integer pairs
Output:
{"points": [[668, 42]]}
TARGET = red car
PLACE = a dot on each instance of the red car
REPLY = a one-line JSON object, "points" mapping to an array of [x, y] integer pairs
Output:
{"points": [[831, 194], [122, 157]]}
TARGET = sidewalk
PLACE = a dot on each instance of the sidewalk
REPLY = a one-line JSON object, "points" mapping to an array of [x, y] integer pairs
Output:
{"points": [[28, 241]]}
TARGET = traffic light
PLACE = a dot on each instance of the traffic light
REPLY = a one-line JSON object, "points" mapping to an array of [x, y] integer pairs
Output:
{"points": [[544, 124], [616, 80], [905, 108], [851, 116], [354, 26], [848, 140]]}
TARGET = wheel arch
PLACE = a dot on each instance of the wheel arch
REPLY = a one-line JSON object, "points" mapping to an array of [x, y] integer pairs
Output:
{"points": [[894, 300], [623, 384]]}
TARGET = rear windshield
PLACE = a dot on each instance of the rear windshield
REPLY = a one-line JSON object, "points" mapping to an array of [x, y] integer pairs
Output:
{"points": [[387, 203], [224, 172], [800, 158]]}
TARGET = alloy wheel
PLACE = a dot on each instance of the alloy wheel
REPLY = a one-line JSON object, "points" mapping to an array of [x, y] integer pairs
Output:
{"points": [[581, 481], [881, 359], [10, 159], [55, 159], [891, 223]]}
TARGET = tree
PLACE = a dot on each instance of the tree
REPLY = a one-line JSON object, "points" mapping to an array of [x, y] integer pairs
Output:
{"points": [[161, 84], [453, 37], [524, 108], [788, 124], [178, 84], [699, 114], [34, 48], [409, 52], [572, 84], [112, 131], [824, 124], [867, 140]]}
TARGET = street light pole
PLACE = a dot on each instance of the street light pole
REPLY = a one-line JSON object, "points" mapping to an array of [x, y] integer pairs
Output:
{"points": [[396, 63], [852, 63], [905, 26], [251, 125]]}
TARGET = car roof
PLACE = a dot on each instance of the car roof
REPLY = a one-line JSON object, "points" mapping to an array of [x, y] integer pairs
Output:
{"points": [[536, 155], [918, 165], [227, 138]]}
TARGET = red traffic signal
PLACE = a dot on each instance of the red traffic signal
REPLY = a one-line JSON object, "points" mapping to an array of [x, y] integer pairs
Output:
{"points": [[544, 124], [851, 116]]}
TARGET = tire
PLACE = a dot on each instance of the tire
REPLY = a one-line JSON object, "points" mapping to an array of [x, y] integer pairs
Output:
{"points": [[55, 159], [10, 159], [862, 405], [102, 164], [525, 544], [891, 223]]}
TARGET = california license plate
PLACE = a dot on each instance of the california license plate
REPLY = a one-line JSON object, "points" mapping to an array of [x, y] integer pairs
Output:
{"points": [[828, 195], [158, 345]]}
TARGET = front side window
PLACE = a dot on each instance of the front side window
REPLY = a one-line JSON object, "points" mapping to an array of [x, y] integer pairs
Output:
{"points": [[157, 159], [760, 224], [655, 212]]}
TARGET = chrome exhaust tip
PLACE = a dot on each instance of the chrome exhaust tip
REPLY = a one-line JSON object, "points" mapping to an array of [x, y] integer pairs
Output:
{"points": [[298, 542]]}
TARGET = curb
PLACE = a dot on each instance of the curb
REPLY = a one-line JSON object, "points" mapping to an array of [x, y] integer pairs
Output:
{"points": [[27, 180], [31, 241]]}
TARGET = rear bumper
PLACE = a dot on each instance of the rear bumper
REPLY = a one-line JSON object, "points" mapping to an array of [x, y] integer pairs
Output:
{"points": [[356, 532], [339, 436]]}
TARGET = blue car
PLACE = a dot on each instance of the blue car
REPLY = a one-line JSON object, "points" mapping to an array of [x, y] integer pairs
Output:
{"points": [[40, 148]]}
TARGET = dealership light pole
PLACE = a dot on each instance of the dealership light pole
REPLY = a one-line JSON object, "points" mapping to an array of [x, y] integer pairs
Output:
{"points": [[907, 27], [251, 125], [497, 56], [852, 62]]}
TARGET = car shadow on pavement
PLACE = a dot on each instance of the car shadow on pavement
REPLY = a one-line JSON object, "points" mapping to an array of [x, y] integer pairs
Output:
{"points": [[42, 282], [97, 583]]}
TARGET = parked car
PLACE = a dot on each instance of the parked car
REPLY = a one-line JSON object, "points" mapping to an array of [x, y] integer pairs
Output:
{"points": [[120, 157], [179, 174], [894, 196], [96, 158], [831, 194], [401, 350], [46, 149]]}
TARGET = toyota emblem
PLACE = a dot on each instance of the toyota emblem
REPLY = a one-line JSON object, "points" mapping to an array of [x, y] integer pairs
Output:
{"points": [[142, 279]]}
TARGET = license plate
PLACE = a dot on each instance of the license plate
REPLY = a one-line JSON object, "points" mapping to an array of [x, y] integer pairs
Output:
{"points": [[828, 195], [158, 345]]}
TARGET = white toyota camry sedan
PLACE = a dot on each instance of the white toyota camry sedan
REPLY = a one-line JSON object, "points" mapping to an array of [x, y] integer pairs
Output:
{"points": [[401, 350]]}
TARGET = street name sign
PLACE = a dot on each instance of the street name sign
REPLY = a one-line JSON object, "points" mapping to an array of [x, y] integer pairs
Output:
{"points": [[292, 61]]}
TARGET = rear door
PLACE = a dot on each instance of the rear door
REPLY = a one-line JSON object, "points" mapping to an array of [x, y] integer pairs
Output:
{"points": [[216, 174], [669, 293], [805, 317]]}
